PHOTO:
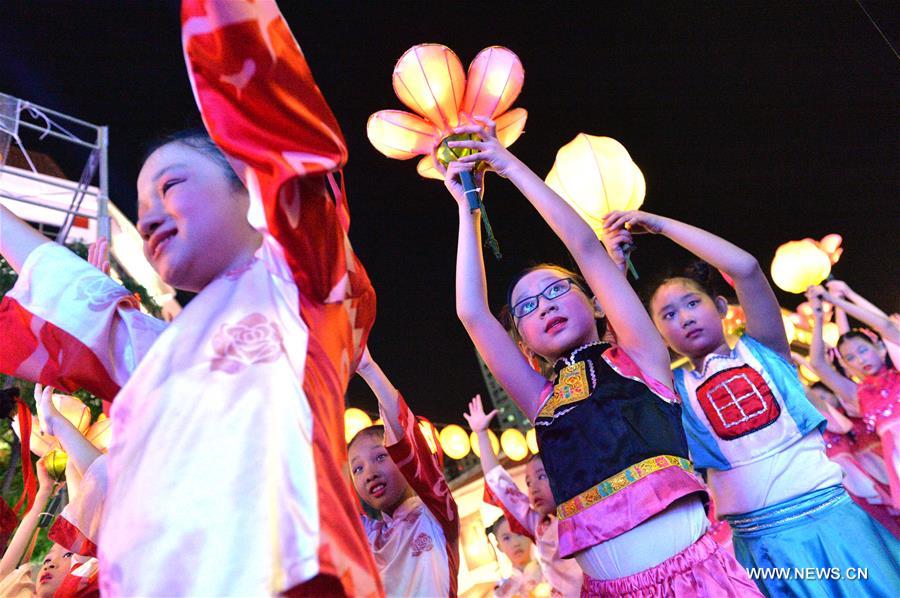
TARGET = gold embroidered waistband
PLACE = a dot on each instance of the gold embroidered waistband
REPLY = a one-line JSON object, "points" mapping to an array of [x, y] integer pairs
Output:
{"points": [[620, 481]]}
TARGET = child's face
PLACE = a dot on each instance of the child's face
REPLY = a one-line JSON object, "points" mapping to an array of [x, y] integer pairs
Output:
{"points": [[375, 476], [539, 487], [862, 358], [688, 319], [557, 325], [55, 567], [190, 216], [514, 546]]}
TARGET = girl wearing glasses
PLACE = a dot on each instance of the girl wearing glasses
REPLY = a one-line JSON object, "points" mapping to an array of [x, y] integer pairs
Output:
{"points": [[750, 425], [608, 421]]}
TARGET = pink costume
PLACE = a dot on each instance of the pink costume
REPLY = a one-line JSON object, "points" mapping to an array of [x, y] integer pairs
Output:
{"points": [[226, 467], [879, 401], [563, 575], [417, 547]]}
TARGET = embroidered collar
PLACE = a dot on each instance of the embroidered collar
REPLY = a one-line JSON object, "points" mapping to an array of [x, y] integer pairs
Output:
{"points": [[700, 373], [590, 351], [402, 512]]}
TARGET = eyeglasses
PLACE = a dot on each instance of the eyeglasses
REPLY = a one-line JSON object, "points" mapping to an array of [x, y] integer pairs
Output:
{"points": [[555, 289]]}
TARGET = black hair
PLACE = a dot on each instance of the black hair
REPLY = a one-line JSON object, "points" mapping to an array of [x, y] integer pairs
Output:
{"points": [[198, 139], [8, 398], [862, 335], [377, 430], [492, 528], [697, 274], [532, 457], [821, 386], [509, 322]]}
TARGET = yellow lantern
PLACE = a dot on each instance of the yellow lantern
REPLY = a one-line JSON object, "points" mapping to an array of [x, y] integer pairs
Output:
{"points": [[831, 245], [809, 375], [789, 327], [455, 441], [354, 421], [100, 433], [476, 448], [799, 265], [55, 461], [71, 408], [430, 433], [531, 441], [595, 175], [514, 444], [830, 334]]}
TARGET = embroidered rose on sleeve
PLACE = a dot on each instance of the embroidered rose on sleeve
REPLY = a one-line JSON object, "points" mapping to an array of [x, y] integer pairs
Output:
{"points": [[421, 543], [100, 292], [251, 341]]}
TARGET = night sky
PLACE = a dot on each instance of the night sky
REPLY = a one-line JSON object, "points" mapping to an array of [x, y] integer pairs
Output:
{"points": [[762, 122]]}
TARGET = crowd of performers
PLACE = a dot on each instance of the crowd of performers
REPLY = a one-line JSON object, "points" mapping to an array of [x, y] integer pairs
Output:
{"points": [[228, 469]]}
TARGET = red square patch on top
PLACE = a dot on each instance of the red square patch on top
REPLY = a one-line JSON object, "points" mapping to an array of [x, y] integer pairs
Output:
{"points": [[737, 402]]}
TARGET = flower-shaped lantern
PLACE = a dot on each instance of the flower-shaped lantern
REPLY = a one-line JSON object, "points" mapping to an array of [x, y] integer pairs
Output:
{"points": [[430, 80], [71, 408], [595, 175], [798, 265]]}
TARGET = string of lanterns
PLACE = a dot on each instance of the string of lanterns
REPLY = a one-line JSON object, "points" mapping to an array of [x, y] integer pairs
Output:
{"points": [[454, 440]]}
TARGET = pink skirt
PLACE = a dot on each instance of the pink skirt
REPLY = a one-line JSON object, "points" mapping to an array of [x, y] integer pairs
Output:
{"points": [[702, 569]]}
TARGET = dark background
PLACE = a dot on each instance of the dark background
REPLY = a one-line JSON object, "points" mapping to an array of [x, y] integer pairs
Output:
{"points": [[763, 122]]}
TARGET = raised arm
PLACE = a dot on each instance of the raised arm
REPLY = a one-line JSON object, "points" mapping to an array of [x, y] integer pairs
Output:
{"points": [[839, 294], [79, 449], [22, 538], [501, 354], [635, 331], [753, 290], [17, 238], [843, 387], [480, 422], [388, 396]]}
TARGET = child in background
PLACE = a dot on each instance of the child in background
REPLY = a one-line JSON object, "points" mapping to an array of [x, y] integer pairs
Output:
{"points": [[877, 394], [247, 383], [526, 575], [538, 518], [416, 541], [751, 427], [608, 424], [18, 581]]}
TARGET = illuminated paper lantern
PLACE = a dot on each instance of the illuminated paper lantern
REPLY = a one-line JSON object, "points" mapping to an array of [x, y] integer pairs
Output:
{"points": [[354, 421], [430, 433], [808, 374], [831, 333], [789, 327], [831, 245], [476, 448], [71, 408], [799, 265], [429, 79], [514, 444], [100, 433], [531, 440], [455, 442], [595, 175]]}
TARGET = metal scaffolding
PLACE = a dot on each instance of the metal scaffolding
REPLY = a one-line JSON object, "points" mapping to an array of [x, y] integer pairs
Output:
{"points": [[24, 126]]}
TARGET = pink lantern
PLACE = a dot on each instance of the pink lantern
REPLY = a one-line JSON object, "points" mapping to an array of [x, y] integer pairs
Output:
{"points": [[429, 79]]}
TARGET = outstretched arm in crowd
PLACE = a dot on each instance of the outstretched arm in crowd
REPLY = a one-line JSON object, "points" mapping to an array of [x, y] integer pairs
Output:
{"points": [[844, 298], [753, 290], [479, 421], [843, 387], [24, 533], [79, 449], [17, 238], [388, 396]]}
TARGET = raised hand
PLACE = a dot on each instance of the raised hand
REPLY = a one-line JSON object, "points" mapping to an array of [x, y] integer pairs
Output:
{"points": [[98, 254], [838, 288], [619, 244], [45, 481], [488, 149], [815, 295], [478, 420], [635, 221], [454, 185], [48, 414]]}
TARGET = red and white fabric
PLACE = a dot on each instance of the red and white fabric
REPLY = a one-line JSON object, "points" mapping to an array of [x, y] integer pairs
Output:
{"points": [[226, 466], [416, 547], [564, 575]]}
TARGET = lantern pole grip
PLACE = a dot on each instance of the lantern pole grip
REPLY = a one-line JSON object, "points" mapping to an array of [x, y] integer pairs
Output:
{"points": [[471, 191]]}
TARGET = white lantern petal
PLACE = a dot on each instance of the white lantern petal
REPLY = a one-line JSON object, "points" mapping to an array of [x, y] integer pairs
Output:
{"points": [[495, 79], [426, 168], [400, 135], [430, 80], [511, 125]]}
